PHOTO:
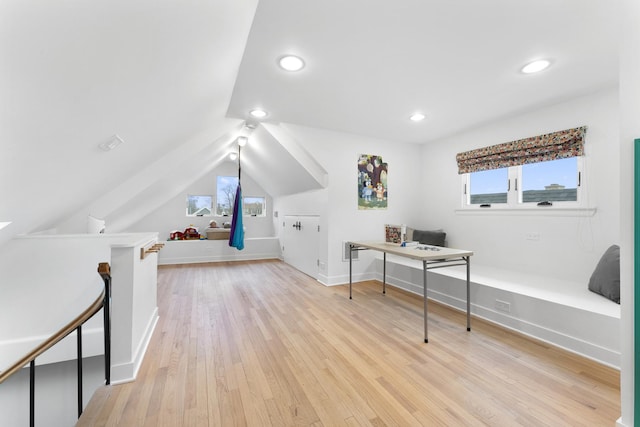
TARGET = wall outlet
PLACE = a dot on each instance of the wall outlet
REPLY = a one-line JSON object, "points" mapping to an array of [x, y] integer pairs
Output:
{"points": [[532, 236], [503, 306], [345, 252]]}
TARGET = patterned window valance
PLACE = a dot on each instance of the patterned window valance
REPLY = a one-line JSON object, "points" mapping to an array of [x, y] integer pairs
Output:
{"points": [[542, 148]]}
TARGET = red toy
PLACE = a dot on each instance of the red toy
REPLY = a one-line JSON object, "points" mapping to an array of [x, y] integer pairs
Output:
{"points": [[176, 235], [191, 233]]}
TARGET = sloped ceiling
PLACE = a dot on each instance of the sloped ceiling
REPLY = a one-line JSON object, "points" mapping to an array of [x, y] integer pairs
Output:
{"points": [[271, 160], [158, 73], [283, 166], [175, 79]]}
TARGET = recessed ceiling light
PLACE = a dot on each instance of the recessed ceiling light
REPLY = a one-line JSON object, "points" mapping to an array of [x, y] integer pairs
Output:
{"points": [[242, 141], [291, 63], [416, 117], [535, 66], [233, 155], [258, 114]]}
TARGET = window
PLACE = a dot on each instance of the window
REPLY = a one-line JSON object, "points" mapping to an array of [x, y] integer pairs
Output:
{"points": [[552, 183], [199, 205], [543, 170], [254, 206], [488, 187], [226, 195]]}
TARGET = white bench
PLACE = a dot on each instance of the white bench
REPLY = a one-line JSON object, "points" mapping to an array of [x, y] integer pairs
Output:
{"points": [[561, 312], [196, 251]]}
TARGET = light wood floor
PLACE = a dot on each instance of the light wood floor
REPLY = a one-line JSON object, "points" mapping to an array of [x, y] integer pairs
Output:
{"points": [[261, 344]]}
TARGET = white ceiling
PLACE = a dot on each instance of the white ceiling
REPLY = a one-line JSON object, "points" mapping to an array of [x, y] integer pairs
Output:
{"points": [[159, 73], [371, 63], [176, 78]]}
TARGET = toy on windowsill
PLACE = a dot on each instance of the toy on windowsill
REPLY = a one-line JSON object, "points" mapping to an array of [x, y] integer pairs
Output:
{"points": [[176, 235], [191, 233]]}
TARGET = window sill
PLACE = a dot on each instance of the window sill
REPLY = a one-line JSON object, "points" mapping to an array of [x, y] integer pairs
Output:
{"points": [[228, 217], [536, 211]]}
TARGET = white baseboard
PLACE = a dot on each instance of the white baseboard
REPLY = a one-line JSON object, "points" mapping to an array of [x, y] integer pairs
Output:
{"points": [[127, 372]]}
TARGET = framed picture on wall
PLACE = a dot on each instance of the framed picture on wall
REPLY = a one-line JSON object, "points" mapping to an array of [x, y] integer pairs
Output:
{"points": [[372, 182]]}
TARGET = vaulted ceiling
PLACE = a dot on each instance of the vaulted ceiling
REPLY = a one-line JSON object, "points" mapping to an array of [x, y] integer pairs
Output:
{"points": [[175, 79]]}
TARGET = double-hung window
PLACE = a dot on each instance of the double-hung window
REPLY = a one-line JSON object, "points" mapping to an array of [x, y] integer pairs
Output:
{"points": [[543, 171]]}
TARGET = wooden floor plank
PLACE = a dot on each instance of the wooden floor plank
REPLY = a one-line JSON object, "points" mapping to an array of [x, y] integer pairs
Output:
{"points": [[261, 344]]}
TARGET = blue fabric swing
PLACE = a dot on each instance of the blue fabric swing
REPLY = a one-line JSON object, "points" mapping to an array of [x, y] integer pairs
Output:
{"points": [[236, 235]]}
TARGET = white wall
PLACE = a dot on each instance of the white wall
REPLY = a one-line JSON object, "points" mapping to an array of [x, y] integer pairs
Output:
{"points": [[337, 206], [424, 192], [569, 247], [50, 273], [56, 393], [172, 215], [629, 129]]}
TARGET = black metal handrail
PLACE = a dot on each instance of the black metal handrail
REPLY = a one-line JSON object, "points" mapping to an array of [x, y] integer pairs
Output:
{"points": [[103, 301]]}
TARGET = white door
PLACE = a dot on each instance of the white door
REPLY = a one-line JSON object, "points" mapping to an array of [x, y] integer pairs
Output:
{"points": [[301, 241]]}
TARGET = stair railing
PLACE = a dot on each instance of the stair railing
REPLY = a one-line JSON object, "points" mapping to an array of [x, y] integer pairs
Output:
{"points": [[103, 301]]}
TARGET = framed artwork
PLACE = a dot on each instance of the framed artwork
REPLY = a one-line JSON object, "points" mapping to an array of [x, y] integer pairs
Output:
{"points": [[393, 233], [372, 182]]}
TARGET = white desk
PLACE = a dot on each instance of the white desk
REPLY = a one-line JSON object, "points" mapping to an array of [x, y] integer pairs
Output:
{"points": [[431, 257]]}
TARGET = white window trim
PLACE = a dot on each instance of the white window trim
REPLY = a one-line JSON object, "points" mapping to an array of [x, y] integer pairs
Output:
{"points": [[515, 207], [203, 215], [528, 211], [264, 206], [264, 209]]}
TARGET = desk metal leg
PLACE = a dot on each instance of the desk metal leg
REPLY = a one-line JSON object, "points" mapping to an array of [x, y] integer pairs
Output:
{"points": [[424, 283], [350, 266], [468, 259], [384, 272]]}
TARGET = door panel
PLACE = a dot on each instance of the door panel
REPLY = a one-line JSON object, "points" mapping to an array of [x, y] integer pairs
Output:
{"points": [[301, 243]]}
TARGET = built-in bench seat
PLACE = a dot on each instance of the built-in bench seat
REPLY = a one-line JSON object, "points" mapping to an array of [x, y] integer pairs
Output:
{"points": [[570, 293], [561, 312], [195, 251]]}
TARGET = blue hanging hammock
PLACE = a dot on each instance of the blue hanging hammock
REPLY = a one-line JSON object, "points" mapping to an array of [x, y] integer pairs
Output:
{"points": [[236, 235]]}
